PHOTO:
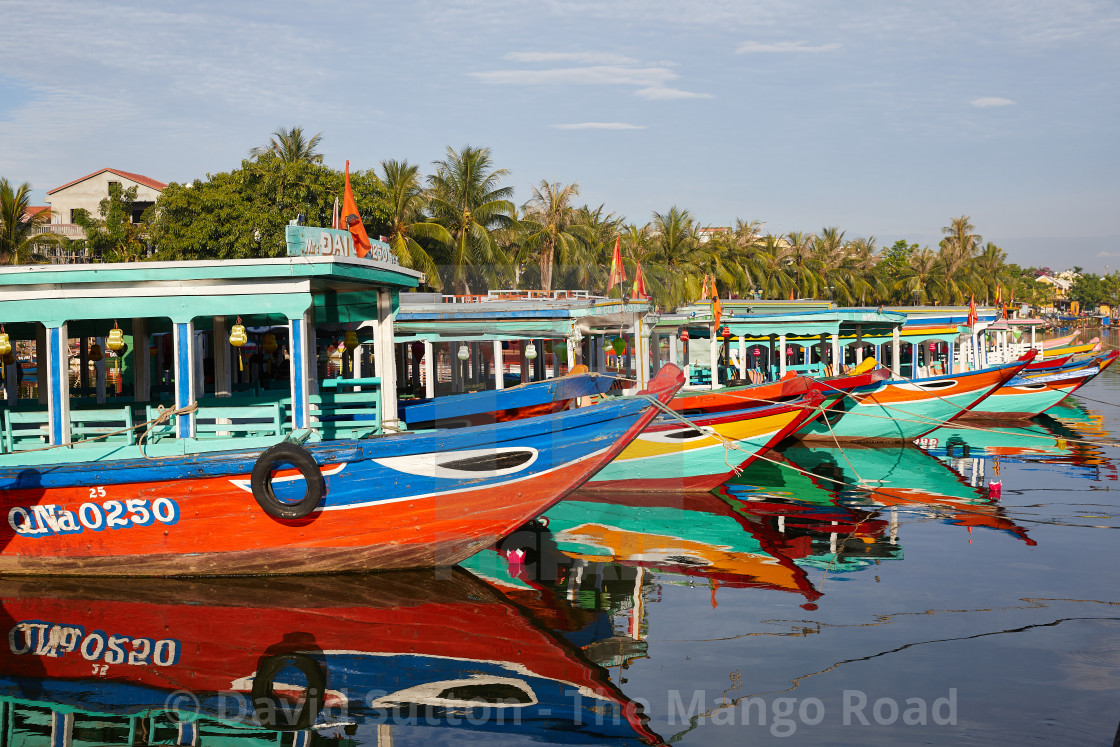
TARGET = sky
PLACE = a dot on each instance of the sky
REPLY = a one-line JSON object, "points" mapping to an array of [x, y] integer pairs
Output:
{"points": [[884, 118]]}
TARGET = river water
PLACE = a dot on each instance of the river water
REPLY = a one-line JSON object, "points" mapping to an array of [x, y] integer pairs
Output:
{"points": [[856, 596]]}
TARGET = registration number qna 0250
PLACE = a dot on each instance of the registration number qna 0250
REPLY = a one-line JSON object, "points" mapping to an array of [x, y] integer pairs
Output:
{"points": [[48, 520]]}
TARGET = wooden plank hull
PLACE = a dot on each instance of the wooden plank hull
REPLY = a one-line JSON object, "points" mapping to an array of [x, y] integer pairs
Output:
{"points": [[409, 500], [1032, 393], [906, 410], [673, 456]]}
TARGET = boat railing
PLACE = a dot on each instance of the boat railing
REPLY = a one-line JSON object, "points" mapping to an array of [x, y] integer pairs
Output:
{"points": [[334, 415]]}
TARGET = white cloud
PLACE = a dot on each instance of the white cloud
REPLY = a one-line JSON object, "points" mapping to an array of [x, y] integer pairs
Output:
{"points": [[597, 75], [796, 46], [660, 93], [650, 82], [990, 101], [586, 58], [1106, 253], [598, 126]]}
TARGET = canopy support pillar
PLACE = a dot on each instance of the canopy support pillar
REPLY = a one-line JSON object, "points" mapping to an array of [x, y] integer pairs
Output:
{"points": [[781, 356], [183, 367]]}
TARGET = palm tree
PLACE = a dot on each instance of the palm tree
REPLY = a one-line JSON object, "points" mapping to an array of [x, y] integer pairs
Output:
{"points": [[291, 146], [407, 222], [918, 277], [601, 229], [678, 260], [990, 272], [803, 265], [466, 199], [18, 228], [550, 230]]}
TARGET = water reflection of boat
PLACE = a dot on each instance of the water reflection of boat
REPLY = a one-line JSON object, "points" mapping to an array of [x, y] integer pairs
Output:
{"points": [[906, 477], [355, 653], [819, 531], [1045, 439]]}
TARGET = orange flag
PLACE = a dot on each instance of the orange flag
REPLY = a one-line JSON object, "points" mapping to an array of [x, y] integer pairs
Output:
{"points": [[639, 289], [791, 294], [999, 295], [618, 272], [717, 307], [704, 288], [972, 311], [352, 220]]}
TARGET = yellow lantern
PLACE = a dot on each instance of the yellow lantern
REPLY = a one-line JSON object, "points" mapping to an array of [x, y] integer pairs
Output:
{"points": [[351, 339], [5, 343], [115, 341], [269, 343], [237, 338], [95, 352]]}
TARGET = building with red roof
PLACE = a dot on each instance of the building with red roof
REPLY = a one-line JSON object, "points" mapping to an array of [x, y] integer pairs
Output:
{"points": [[87, 193]]}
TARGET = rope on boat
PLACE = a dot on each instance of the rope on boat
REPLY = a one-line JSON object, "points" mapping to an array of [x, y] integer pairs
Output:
{"points": [[161, 418], [164, 415]]}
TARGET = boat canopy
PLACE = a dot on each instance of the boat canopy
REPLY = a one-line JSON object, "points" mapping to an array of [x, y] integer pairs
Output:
{"points": [[53, 304]]}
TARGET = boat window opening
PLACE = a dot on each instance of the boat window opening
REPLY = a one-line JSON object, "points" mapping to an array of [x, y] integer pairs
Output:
{"points": [[493, 693], [932, 385], [688, 433], [490, 462]]}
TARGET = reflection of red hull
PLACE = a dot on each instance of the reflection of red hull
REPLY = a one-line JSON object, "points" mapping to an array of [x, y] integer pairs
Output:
{"points": [[220, 630]]}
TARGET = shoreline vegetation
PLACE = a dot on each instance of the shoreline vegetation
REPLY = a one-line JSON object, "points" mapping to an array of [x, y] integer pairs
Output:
{"points": [[461, 226]]}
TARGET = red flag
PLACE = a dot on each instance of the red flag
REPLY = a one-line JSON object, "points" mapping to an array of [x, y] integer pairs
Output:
{"points": [[639, 289], [999, 295], [618, 272], [972, 311], [791, 294], [704, 293], [352, 220]]}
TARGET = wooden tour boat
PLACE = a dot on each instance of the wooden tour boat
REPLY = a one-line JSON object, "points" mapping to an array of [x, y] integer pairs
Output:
{"points": [[300, 478]]}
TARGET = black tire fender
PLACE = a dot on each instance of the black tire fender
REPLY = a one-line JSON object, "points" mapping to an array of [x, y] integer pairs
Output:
{"points": [[269, 710], [261, 481]]}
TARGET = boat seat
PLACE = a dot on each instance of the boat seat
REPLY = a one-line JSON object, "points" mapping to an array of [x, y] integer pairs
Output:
{"points": [[219, 421], [113, 424], [343, 415], [24, 429]]}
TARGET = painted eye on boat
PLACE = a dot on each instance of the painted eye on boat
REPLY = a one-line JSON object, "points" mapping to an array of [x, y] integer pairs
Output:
{"points": [[499, 460], [688, 433], [930, 386]]}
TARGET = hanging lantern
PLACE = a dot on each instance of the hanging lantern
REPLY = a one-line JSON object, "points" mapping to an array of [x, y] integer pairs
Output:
{"points": [[9, 358], [463, 353], [619, 346], [548, 346], [5, 343], [726, 332], [561, 354], [684, 335], [115, 340], [351, 339], [530, 351], [237, 335], [237, 338], [417, 351], [268, 344], [95, 352]]}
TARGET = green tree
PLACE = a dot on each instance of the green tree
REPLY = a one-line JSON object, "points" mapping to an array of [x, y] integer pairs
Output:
{"points": [[678, 261], [19, 230], [291, 146], [550, 230], [112, 236], [243, 213], [466, 198], [408, 225], [990, 273]]}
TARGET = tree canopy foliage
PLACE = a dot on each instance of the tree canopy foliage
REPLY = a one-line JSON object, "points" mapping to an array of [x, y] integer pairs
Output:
{"points": [[460, 226], [242, 213]]}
